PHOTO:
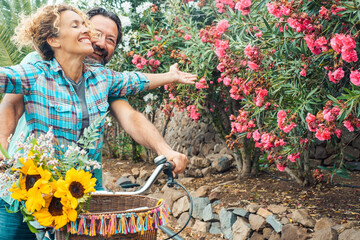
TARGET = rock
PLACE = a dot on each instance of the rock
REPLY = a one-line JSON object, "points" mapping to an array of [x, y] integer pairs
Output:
{"points": [[218, 147], [144, 174], [324, 223], [181, 205], [356, 143], [241, 229], [202, 191], [257, 236], [184, 218], [350, 234], [201, 226], [198, 206], [227, 219], [253, 207], [256, 222], [320, 152], [199, 162], [284, 220], [341, 228], [274, 236], [263, 212], [275, 224], [171, 195], [215, 195], [276, 209], [325, 233], [221, 163], [215, 228], [302, 216], [351, 153], [241, 212], [207, 171], [123, 180], [267, 232], [135, 171], [293, 232], [208, 215], [346, 136]]}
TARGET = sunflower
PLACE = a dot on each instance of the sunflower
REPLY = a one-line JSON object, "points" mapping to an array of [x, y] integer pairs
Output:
{"points": [[34, 182], [19, 189], [75, 186], [56, 213]]}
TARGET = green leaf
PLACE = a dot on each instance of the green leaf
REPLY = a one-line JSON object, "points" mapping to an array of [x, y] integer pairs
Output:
{"points": [[4, 152], [32, 228]]}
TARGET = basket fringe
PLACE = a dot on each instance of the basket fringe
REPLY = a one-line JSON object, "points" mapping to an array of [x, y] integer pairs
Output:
{"points": [[110, 224]]}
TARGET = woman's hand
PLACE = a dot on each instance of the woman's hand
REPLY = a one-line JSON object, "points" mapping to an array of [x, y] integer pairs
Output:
{"points": [[182, 77]]}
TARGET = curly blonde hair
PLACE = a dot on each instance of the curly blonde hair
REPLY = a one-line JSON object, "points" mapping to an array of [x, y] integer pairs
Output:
{"points": [[35, 29]]}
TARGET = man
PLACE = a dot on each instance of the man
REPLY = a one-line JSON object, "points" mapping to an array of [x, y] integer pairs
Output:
{"points": [[133, 122]]}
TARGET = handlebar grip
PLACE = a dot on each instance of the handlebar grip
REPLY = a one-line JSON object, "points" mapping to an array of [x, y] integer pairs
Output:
{"points": [[159, 160]]}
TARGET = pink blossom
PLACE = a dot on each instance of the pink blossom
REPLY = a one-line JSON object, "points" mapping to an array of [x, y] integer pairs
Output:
{"points": [[260, 94], [323, 12], [193, 112], [310, 120], [274, 10], [336, 10], [243, 6], [303, 72], [348, 125], [256, 135], [143, 61], [292, 157], [331, 78], [338, 74], [289, 127], [322, 43], [349, 55], [252, 65], [201, 84], [285, 11], [259, 34], [222, 26], [139, 66], [227, 81], [323, 134], [281, 167], [187, 37], [337, 42], [355, 77], [281, 114], [338, 133], [157, 38]]}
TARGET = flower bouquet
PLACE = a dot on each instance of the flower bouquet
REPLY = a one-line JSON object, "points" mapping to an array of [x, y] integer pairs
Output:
{"points": [[52, 188]]}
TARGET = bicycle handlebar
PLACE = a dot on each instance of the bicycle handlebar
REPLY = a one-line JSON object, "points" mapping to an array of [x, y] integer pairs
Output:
{"points": [[161, 164]]}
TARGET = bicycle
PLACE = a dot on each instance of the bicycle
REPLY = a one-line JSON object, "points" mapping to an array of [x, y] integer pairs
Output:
{"points": [[161, 165]]}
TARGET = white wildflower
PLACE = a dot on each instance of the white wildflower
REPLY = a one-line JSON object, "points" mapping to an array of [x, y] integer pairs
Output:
{"points": [[126, 6], [142, 8], [148, 109], [125, 21]]}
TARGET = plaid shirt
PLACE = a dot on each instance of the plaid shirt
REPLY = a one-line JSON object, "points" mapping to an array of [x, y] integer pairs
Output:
{"points": [[50, 99]]}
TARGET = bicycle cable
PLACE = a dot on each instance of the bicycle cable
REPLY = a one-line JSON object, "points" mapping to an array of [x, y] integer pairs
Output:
{"points": [[190, 210]]}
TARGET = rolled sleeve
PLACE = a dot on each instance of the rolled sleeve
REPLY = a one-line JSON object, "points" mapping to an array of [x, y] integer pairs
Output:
{"points": [[128, 83], [18, 79]]}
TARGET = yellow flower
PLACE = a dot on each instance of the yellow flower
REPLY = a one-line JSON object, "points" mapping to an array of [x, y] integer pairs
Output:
{"points": [[56, 212], [75, 186], [19, 192]]}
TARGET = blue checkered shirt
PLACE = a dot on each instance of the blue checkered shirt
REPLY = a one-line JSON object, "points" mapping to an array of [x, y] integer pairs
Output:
{"points": [[50, 99]]}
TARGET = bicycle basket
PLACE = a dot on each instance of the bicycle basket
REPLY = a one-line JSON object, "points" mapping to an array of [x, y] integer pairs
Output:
{"points": [[112, 216]]}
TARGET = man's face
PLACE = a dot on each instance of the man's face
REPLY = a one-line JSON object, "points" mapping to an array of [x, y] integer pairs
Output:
{"points": [[104, 46]]}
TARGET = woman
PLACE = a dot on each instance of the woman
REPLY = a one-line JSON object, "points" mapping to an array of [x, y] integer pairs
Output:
{"points": [[63, 92]]}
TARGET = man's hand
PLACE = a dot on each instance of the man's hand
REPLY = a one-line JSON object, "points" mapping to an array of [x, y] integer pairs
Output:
{"points": [[182, 77], [179, 159]]}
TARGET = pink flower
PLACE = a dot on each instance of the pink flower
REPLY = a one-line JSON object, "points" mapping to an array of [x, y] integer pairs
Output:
{"points": [[331, 78], [227, 81], [338, 74], [289, 127], [281, 167], [349, 55], [193, 112], [303, 72], [243, 6], [348, 125], [274, 10], [222, 26], [294, 156], [323, 134], [143, 61], [322, 43], [259, 34], [337, 42], [139, 66], [323, 12], [338, 133], [310, 120], [256, 135], [157, 38], [355, 77], [281, 114], [187, 37], [252, 65]]}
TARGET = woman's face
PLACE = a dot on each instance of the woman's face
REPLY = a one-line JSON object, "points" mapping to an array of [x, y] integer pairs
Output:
{"points": [[74, 37]]}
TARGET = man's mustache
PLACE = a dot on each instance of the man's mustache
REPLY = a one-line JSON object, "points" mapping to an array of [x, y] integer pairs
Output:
{"points": [[100, 51]]}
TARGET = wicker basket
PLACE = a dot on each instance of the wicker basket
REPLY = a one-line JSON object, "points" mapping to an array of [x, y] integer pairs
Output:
{"points": [[117, 217]]}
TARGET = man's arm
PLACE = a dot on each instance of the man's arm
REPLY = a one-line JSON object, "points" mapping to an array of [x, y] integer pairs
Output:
{"points": [[11, 109], [145, 133]]}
